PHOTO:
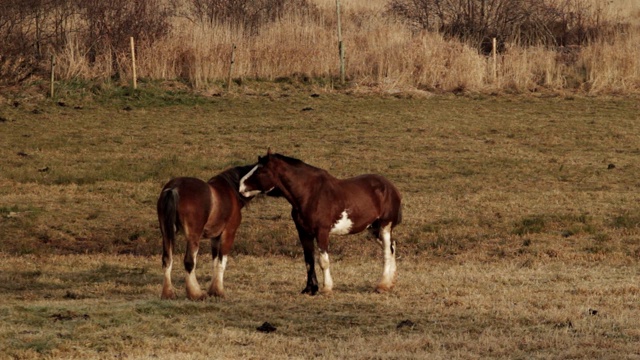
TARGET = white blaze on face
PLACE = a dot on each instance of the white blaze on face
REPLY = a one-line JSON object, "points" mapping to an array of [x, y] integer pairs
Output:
{"points": [[243, 188], [343, 225]]}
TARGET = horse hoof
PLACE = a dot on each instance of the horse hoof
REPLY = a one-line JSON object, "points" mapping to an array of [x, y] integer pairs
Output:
{"points": [[200, 297], [310, 290], [216, 294], [168, 295], [326, 292], [383, 289]]}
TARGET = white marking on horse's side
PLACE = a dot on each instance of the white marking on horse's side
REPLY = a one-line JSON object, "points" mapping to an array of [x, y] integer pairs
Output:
{"points": [[343, 225], [324, 265], [243, 188]]}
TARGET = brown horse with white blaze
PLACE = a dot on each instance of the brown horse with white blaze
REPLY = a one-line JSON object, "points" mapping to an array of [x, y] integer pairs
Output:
{"points": [[209, 210], [324, 205]]}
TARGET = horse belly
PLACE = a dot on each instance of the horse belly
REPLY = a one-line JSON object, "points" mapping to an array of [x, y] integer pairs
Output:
{"points": [[348, 224], [343, 226]]}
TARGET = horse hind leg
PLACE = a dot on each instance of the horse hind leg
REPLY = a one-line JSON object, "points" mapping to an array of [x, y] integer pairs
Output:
{"points": [[167, 217], [194, 292], [167, 263], [374, 231], [167, 266], [389, 251]]}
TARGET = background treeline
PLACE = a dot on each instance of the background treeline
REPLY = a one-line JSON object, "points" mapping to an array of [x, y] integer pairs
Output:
{"points": [[435, 45]]}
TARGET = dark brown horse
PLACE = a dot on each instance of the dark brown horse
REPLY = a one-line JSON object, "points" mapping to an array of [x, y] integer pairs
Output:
{"points": [[209, 210], [323, 205]]}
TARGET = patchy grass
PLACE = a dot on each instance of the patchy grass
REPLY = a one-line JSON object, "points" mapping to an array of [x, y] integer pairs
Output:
{"points": [[84, 177], [96, 306], [520, 215]]}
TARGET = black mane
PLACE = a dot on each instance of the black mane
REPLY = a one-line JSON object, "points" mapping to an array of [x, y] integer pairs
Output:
{"points": [[297, 163], [232, 176], [289, 160]]}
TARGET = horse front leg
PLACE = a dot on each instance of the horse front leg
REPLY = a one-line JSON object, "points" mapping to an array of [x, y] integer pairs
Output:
{"points": [[389, 251], [220, 249], [308, 248], [194, 292], [219, 265], [323, 245]]}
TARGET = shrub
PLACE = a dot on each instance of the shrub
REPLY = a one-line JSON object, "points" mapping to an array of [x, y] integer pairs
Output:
{"points": [[247, 14], [527, 23], [20, 35], [108, 25], [30, 30]]}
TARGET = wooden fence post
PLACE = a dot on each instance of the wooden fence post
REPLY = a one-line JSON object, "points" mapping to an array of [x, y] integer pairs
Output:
{"points": [[53, 76], [133, 64], [494, 55], [231, 61], [340, 44]]}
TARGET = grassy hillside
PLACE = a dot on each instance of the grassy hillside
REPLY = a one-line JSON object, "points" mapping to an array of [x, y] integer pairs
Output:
{"points": [[475, 172]]}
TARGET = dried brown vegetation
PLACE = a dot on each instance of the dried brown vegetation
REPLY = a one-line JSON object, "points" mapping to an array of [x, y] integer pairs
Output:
{"points": [[530, 23], [560, 45]]}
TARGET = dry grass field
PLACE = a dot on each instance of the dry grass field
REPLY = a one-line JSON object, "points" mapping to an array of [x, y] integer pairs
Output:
{"points": [[521, 232]]}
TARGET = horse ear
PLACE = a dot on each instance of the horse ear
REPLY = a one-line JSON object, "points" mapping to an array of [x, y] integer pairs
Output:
{"points": [[269, 151]]}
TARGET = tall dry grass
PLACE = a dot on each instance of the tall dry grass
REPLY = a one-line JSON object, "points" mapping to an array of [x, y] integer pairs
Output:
{"points": [[614, 66], [381, 53]]}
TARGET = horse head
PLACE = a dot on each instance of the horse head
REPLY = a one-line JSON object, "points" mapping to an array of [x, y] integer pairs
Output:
{"points": [[261, 179]]}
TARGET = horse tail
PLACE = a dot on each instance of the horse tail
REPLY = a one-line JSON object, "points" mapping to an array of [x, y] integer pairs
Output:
{"points": [[168, 206]]}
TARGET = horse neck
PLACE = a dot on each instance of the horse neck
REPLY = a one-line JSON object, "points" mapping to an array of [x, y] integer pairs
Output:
{"points": [[295, 182]]}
